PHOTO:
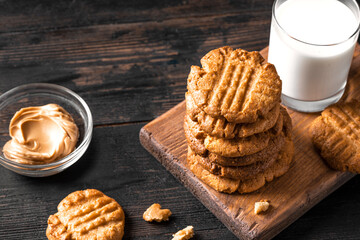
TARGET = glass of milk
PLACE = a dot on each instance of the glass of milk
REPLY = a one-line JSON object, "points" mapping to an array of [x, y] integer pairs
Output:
{"points": [[312, 43]]}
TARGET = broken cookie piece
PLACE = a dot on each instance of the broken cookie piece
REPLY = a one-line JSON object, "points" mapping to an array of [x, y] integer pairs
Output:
{"points": [[261, 206], [155, 213], [184, 234]]}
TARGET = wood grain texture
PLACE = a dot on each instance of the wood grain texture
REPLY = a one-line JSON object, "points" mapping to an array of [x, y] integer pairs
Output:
{"points": [[129, 61], [116, 52], [116, 164], [308, 181]]}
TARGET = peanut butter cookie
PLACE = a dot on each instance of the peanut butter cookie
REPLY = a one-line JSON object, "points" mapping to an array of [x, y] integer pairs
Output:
{"points": [[87, 214], [194, 136], [196, 139], [241, 173], [227, 185], [277, 169], [236, 84], [201, 142], [275, 145], [238, 147], [336, 133], [220, 184], [221, 128]]}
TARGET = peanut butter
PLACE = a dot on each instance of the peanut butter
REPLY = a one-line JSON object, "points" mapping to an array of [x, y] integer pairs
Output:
{"points": [[41, 135]]}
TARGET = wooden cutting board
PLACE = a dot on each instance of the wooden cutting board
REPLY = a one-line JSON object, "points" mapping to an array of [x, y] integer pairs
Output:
{"points": [[307, 182]]}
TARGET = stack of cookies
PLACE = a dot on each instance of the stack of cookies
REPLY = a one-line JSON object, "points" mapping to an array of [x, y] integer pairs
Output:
{"points": [[239, 137]]}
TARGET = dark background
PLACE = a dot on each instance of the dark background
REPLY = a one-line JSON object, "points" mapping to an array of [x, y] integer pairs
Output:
{"points": [[129, 60]]}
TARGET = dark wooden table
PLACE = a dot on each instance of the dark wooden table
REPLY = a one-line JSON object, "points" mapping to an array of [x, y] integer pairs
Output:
{"points": [[129, 60]]}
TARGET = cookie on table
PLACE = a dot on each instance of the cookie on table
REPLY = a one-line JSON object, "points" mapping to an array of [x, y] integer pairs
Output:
{"points": [[87, 214], [336, 133], [221, 128], [235, 84]]}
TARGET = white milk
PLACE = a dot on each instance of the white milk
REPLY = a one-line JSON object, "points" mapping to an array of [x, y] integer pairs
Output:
{"points": [[309, 71]]}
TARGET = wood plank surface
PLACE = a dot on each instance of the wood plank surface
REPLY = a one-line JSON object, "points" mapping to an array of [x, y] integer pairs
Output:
{"points": [[129, 61], [111, 55], [307, 182]]}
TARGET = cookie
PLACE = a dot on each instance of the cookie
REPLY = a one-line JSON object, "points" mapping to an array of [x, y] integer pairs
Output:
{"points": [[221, 128], [336, 133], [227, 185], [216, 182], [241, 173], [238, 147], [196, 139], [201, 142], [236, 84], [277, 169], [275, 144], [87, 214], [194, 136]]}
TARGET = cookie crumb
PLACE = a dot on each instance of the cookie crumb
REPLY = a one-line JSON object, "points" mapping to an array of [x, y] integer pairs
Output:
{"points": [[155, 213], [184, 234], [261, 206]]}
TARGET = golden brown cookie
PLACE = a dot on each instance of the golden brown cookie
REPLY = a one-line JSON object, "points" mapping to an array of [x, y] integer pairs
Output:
{"points": [[194, 137], [201, 142], [241, 173], [221, 128], [238, 147], [197, 138], [218, 183], [87, 214], [277, 169], [236, 84], [272, 150], [336, 133], [227, 185]]}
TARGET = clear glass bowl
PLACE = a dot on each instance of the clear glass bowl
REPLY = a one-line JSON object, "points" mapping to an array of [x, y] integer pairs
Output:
{"points": [[38, 94]]}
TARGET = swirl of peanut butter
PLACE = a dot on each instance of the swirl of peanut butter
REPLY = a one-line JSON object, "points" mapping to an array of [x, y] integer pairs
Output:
{"points": [[41, 135]]}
